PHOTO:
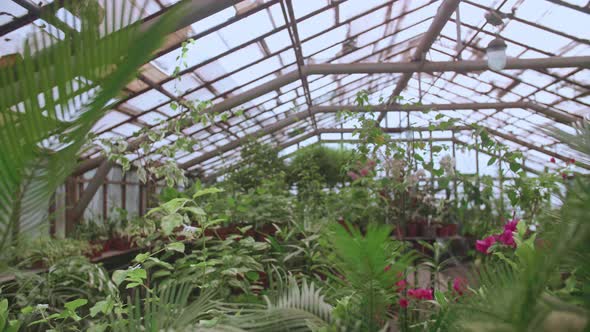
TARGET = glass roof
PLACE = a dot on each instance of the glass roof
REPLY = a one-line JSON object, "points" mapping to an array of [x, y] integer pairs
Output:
{"points": [[251, 43]]}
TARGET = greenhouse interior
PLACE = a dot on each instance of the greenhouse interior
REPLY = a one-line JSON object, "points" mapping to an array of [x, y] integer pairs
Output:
{"points": [[295, 165]]}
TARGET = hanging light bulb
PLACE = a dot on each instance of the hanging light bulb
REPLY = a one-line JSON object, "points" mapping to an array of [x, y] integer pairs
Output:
{"points": [[496, 52]]}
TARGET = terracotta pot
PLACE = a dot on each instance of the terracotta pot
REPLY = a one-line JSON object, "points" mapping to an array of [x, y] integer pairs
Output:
{"points": [[442, 231], [452, 229], [413, 229], [400, 232]]}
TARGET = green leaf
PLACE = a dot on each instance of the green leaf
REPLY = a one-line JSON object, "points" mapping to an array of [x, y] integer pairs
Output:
{"points": [[27, 310], [119, 276], [197, 211], [252, 275], [439, 116], [140, 258], [170, 222], [176, 246], [136, 274], [492, 161], [104, 306], [73, 305], [161, 263], [514, 166], [437, 148], [133, 285], [207, 191]]}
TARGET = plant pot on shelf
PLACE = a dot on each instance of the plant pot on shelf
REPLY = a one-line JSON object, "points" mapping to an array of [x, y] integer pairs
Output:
{"points": [[413, 229], [429, 230], [442, 231], [399, 232], [451, 229]]}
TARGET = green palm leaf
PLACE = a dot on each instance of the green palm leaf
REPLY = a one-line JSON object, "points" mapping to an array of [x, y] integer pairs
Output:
{"points": [[50, 100]]}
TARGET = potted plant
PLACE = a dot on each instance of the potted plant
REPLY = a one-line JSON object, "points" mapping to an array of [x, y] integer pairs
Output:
{"points": [[429, 228]]}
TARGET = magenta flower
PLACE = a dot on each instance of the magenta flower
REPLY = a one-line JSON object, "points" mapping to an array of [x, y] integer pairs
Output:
{"points": [[484, 245], [364, 172], [353, 175], [421, 293], [459, 285], [552, 160], [511, 225], [401, 285], [507, 238], [403, 303]]}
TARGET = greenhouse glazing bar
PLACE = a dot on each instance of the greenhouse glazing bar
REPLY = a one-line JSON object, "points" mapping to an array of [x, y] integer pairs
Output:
{"points": [[360, 68], [443, 15]]}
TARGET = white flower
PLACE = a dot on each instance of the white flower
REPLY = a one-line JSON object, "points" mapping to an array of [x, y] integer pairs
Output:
{"points": [[42, 306], [420, 174], [189, 229], [448, 164], [395, 167]]}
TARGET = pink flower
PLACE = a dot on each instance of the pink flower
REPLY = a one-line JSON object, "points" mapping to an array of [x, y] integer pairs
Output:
{"points": [[371, 163], [421, 293], [459, 285], [507, 238], [572, 161], [552, 160], [387, 268], [511, 225], [401, 285], [484, 245], [364, 172], [403, 303], [353, 175], [563, 176]]}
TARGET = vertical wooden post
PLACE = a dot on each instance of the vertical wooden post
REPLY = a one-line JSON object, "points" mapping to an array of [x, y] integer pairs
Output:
{"points": [[71, 193], [501, 185], [51, 214], [86, 196], [124, 192], [455, 166], [105, 200], [141, 199]]}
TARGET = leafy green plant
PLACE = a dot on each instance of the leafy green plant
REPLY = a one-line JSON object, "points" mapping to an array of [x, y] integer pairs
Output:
{"points": [[330, 163], [7, 324], [66, 281], [48, 251], [367, 265]]}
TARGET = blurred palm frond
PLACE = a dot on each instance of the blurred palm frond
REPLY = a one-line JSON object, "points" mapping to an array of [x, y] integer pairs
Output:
{"points": [[52, 97]]}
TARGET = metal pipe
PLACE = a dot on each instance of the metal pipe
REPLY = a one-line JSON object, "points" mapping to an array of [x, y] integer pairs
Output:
{"points": [[446, 66]]}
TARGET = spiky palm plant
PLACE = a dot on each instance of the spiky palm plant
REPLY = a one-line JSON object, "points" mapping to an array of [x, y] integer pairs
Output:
{"points": [[365, 263], [50, 100], [298, 307]]}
